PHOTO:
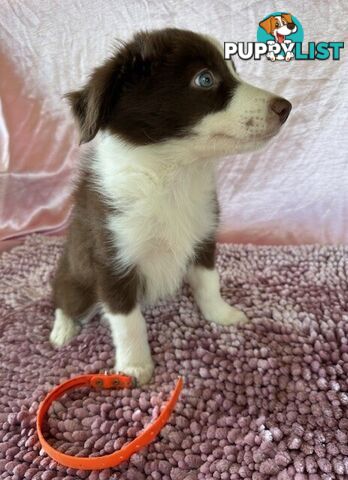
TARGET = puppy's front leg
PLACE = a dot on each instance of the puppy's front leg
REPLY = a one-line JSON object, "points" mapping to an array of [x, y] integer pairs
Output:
{"points": [[119, 294], [129, 334], [205, 284]]}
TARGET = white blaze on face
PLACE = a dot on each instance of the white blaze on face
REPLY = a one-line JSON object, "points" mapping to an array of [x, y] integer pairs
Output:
{"points": [[246, 116], [245, 123]]}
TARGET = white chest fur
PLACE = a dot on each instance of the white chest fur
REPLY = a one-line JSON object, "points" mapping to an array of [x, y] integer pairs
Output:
{"points": [[163, 211]]}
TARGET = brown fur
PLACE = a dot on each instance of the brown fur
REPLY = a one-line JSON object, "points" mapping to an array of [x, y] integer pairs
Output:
{"points": [[85, 272], [205, 251]]}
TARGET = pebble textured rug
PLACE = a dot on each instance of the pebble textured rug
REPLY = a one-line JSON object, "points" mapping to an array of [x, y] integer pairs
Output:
{"points": [[267, 400]]}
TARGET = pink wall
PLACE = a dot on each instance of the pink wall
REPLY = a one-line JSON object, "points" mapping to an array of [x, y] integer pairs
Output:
{"points": [[294, 191]]}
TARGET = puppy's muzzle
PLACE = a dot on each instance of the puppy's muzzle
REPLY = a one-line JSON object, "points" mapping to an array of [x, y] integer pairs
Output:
{"points": [[281, 107]]}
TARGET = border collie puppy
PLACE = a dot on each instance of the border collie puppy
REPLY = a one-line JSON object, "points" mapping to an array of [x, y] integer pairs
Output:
{"points": [[163, 108]]}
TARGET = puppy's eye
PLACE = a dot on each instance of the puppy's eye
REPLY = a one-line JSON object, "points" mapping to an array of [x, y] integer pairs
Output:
{"points": [[204, 79]]}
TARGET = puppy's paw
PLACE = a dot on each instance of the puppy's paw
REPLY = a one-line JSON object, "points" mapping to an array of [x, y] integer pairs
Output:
{"points": [[142, 372], [224, 314], [64, 329]]}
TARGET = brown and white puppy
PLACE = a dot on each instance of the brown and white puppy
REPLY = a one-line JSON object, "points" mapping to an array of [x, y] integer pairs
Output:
{"points": [[279, 26], [162, 109]]}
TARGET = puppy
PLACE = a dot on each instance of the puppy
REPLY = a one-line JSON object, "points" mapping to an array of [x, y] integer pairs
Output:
{"points": [[162, 109], [279, 26]]}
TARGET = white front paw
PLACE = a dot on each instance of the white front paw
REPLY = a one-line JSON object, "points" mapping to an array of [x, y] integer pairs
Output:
{"points": [[224, 314], [140, 370]]}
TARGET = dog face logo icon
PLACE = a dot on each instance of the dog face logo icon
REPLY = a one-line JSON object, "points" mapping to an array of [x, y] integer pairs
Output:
{"points": [[279, 26], [280, 30]]}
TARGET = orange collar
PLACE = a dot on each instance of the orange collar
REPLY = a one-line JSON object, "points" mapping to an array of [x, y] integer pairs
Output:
{"points": [[117, 380]]}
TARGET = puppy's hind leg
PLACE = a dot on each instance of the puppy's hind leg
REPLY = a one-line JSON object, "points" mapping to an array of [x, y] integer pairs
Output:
{"points": [[75, 304], [64, 329]]}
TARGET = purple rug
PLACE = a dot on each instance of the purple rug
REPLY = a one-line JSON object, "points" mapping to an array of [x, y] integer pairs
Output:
{"points": [[268, 400]]}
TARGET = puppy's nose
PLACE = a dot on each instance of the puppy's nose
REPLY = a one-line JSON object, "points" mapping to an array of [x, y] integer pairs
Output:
{"points": [[281, 107], [291, 26]]}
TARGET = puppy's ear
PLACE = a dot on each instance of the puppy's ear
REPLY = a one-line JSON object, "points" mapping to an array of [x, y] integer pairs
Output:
{"points": [[267, 24], [92, 105], [288, 17], [79, 105]]}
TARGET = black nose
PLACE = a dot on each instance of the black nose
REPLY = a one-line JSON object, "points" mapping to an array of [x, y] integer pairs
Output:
{"points": [[291, 26], [281, 107]]}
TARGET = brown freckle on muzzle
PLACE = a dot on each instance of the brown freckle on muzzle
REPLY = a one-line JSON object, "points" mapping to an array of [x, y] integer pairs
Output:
{"points": [[250, 123]]}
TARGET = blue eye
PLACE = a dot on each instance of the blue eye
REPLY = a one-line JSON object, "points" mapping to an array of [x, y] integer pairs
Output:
{"points": [[204, 80]]}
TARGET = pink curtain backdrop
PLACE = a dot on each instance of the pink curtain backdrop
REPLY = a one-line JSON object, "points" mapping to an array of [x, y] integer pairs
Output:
{"points": [[294, 191]]}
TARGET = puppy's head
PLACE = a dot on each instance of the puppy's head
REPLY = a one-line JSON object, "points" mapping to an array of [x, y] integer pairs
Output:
{"points": [[174, 87]]}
